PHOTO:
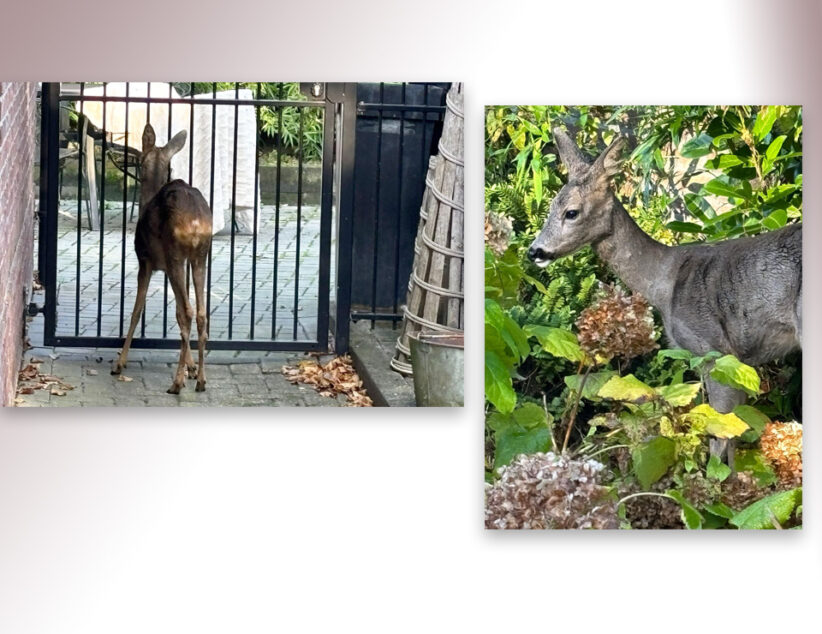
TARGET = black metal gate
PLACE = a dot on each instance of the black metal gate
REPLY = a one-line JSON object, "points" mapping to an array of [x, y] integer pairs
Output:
{"points": [[271, 267]]}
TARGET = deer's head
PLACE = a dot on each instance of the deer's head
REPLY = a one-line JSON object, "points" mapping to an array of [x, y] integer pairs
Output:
{"points": [[582, 211], [155, 161]]}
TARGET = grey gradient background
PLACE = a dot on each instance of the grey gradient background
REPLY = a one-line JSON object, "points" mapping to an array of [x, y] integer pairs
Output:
{"points": [[123, 521]]}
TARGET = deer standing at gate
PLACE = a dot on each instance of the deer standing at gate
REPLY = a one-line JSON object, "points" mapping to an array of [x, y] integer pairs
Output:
{"points": [[174, 229], [741, 297]]}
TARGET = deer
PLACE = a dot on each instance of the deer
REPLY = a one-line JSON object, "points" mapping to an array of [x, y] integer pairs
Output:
{"points": [[741, 296], [173, 231]]}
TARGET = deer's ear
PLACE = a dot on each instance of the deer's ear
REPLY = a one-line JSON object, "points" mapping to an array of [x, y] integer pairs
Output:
{"points": [[570, 155], [175, 144], [148, 138], [610, 161]]}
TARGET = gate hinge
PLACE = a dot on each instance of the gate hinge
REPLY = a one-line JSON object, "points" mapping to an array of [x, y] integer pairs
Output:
{"points": [[33, 309]]}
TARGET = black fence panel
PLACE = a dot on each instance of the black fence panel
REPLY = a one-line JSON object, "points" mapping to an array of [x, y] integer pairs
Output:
{"points": [[398, 126], [271, 263]]}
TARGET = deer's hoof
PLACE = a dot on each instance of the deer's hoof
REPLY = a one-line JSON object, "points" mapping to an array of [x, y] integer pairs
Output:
{"points": [[117, 368], [174, 389], [200, 386]]}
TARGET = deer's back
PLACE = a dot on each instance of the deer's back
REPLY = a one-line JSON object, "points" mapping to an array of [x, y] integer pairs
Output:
{"points": [[176, 224], [740, 297]]}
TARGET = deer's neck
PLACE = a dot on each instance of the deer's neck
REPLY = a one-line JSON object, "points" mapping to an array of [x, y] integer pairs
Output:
{"points": [[638, 260]]}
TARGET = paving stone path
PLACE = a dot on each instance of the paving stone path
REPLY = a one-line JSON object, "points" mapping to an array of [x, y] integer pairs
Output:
{"points": [[233, 380]]}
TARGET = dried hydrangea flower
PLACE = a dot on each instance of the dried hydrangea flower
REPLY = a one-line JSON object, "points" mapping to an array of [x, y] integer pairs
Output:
{"points": [[617, 325], [545, 490], [742, 489], [781, 444], [498, 232], [652, 511]]}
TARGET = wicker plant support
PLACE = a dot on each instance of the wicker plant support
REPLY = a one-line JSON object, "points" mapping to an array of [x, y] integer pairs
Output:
{"points": [[435, 300]]}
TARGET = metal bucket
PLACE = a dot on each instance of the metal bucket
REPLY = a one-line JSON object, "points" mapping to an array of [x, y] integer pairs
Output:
{"points": [[438, 361]]}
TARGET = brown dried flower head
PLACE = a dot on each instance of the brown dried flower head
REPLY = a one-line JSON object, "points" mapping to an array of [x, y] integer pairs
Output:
{"points": [[544, 490], [742, 489], [781, 444], [617, 325], [498, 231]]}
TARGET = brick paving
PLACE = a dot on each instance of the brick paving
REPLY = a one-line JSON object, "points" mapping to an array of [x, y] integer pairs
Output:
{"points": [[232, 380]]}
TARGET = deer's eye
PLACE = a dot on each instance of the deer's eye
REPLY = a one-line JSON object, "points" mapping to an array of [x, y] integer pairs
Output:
{"points": [[571, 214]]}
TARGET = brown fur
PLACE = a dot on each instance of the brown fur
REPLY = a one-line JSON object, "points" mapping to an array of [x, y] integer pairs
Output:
{"points": [[173, 231]]}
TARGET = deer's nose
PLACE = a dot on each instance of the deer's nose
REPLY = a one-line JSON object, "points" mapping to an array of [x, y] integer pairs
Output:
{"points": [[537, 254]]}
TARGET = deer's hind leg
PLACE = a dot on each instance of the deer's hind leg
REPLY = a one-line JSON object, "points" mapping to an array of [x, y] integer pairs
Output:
{"points": [[192, 368], [199, 273], [176, 276], [143, 278]]}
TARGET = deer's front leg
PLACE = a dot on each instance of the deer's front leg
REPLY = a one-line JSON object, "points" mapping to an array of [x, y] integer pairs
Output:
{"points": [[143, 278]]}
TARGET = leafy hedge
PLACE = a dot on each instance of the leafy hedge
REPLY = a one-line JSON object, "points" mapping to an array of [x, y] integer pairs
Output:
{"points": [[696, 174]]}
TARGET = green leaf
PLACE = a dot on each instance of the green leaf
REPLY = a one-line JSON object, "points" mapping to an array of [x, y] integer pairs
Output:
{"points": [[775, 508], [690, 516], [652, 460], [525, 430], [776, 219], [717, 469], [730, 371], [721, 510], [500, 327], [724, 161], [536, 167], [716, 424], [626, 388], [773, 149], [697, 147], [499, 388], [679, 394], [502, 276], [593, 383], [556, 341], [674, 353], [765, 119], [756, 421], [719, 187], [513, 441], [684, 227], [754, 461]]}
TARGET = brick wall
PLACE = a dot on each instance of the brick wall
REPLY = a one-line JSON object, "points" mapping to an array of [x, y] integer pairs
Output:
{"points": [[17, 147]]}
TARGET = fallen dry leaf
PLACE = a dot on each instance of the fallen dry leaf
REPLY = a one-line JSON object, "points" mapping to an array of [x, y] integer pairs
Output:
{"points": [[35, 361], [124, 378], [338, 376], [57, 392], [26, 390], [91, 372]]}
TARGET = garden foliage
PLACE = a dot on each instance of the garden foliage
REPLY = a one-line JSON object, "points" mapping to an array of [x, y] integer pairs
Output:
{"points": [[575, 365]]}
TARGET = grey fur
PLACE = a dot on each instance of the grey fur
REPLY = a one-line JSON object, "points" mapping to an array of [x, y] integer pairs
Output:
{"points": [[740, 297]]}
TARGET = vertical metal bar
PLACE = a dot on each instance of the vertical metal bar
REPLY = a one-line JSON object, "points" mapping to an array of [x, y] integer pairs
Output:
{"points": [[277, 213], [377, 208], [125, 215], [211, 199], [190, 162], [165, 277], [399, 210], [233, 215], [256, 201], [345, 224], [325, 224], [148, 120], [50, 105], [78, 269], [102, 218], [299, 225]]}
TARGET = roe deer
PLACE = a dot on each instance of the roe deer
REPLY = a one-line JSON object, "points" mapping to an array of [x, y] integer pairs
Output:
{"points": [[740, 297], [174, 229]]}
